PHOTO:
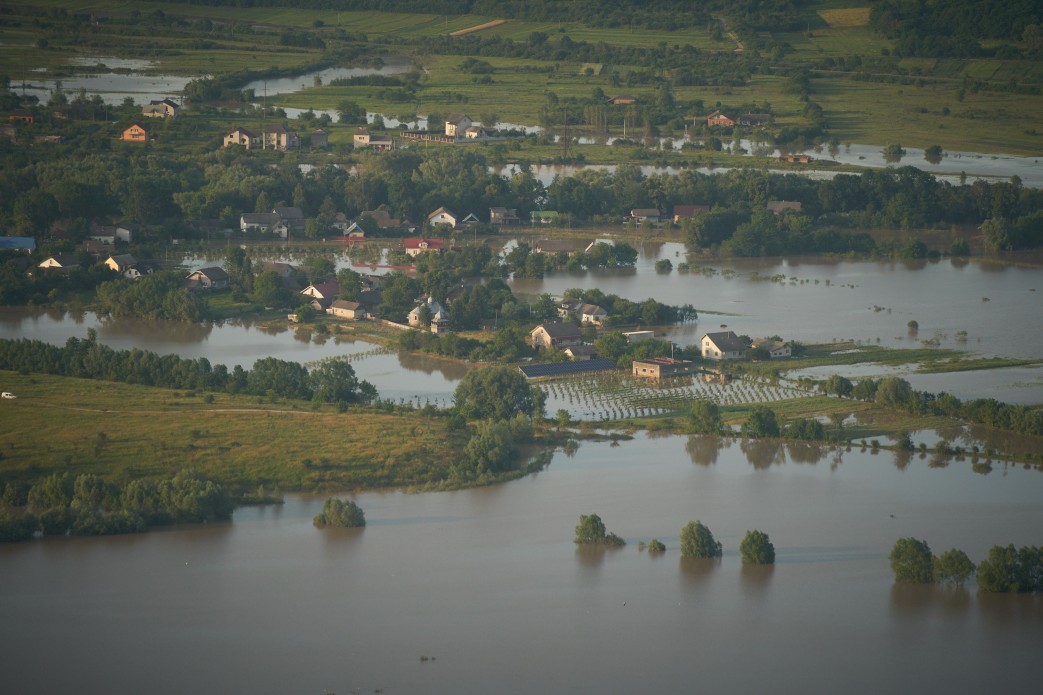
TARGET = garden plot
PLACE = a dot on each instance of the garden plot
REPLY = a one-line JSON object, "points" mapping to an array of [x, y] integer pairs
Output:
{"points": [[618, 395]]}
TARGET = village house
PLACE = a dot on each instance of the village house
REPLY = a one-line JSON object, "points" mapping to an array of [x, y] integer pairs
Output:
{"points": [[243, 137], [382, 218], [438, 316], [442, 216], [780, 206], [776, 349], [261, 222], [120, 262], [724, 345], [623, 100], [212, 278], [661, 367], [164, 108], [579, 353], [21, 116], [322, 293], [344, 309], [502, 216], [557, 334], [795, 158], [639, 215], [470, 220], [475, 132], [381, 143], [418, 245], [291, 221], [320, 138], [719, 119], [104, 234], [568, 308], [592, 314], [138, 271], [683, 212], [135, 133], [18, 243], [456, 125], [276, 137], [61, 261]]}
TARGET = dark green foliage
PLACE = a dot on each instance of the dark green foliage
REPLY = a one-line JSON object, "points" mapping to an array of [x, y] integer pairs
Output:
{"points": [[157, 296], [953, 567], [756, 549], [656, 546], [807, 429], [14, 528], [761, 422], [497, 393], [341, 513], [705, 417], [591, 531], [911, 561], [697, 541], [837, 385], [1010, 570]]}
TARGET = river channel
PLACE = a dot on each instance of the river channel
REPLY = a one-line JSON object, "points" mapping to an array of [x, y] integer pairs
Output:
{"points": [[483, 591]]}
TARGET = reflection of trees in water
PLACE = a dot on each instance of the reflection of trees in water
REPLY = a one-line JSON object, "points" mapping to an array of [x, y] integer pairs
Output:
{"points": [[593, 556], [903, 457], [157, 331], [755, 578], [697, 570], [917, 601], [806, 452], [703, 448], [337, 538], [762, 453], [451, 370]]}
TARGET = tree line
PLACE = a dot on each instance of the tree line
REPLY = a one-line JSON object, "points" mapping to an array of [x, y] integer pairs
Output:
{"points": [[86, 505], [332, 381], [1006, 569]]}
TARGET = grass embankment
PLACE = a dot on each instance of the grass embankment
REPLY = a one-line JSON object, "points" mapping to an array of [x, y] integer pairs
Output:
{"points": [[122, 432]]}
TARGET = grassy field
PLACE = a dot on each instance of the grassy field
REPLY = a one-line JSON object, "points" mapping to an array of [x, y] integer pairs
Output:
{"points": [[935, 102], [123, 432]]}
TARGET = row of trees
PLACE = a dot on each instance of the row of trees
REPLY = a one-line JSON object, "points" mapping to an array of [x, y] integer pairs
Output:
{"points": [[332, 381], [87, 505], [696, 541], [895, 392], [1005, 570]]}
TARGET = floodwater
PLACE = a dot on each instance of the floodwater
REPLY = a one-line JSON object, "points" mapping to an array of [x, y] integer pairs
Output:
{"points": [[483, 591], [810, 301]]}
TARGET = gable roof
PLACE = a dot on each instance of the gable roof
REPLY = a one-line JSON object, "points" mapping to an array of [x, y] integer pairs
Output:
{"points": [[726, 341], [63, 260], [457, 118], [326, 289], [559, 329], [289, 213], [445, 210], [215, 273], [689, 210], [591, 310], [345, 304], [244, 131]]}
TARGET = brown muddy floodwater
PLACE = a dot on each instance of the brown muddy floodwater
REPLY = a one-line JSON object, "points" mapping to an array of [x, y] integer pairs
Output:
{"points": [[483, 591]]}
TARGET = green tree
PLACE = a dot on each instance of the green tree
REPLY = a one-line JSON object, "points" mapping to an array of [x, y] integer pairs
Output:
{"points": [[270, 290], [756, 549], [351, 112], [591, 531], [705, 416], [697, 541], [656, 546], [911, 561], [491, 449], [334, 381], [761, 422], [895, 392], [336, 512], [838, 385], [497, 392], [953, 567]]}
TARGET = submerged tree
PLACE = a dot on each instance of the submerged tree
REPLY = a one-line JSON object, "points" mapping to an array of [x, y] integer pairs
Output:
{"points": [[953, 567], [697, 541], [337, 512], [912, 562], [591, 531], [757, 549]]}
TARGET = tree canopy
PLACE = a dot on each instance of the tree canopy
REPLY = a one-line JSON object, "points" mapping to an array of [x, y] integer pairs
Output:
{"points": [[912, 562], [497, 392], [697, 541], [591, 531], [757, 549], [343, 513]]}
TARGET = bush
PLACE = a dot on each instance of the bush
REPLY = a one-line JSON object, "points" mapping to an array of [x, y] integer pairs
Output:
{"points": [[336, 512], [591, 531], [697, 541], [756, 549], [911, 561]]}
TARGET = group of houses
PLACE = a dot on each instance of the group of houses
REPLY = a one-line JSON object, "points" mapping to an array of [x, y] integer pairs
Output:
{"points": [[566, 336], [282, 222], [273, 137], [746, 120]]}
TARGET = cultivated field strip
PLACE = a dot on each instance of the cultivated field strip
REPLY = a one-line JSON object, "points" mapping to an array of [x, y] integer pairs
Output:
{"points": [[618, 395]]}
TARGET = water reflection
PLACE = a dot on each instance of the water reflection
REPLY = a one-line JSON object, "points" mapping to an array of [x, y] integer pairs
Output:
{"points": [[806, 452], [755, 579], [703, 448], [763, 453], [915, 603], [695, 571], [592, 556]]}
